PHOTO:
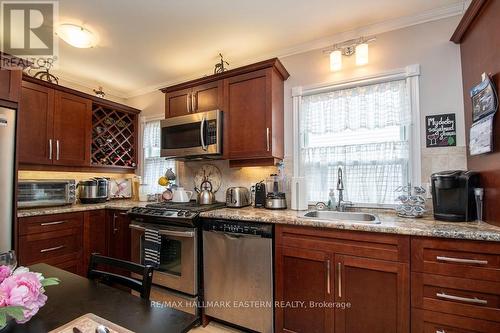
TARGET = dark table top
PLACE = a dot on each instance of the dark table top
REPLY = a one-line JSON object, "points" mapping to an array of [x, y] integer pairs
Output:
{"points": [[76, 296]]}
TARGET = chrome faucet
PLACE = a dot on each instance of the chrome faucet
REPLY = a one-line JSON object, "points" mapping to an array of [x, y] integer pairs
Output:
{"points": [[341, 205]]}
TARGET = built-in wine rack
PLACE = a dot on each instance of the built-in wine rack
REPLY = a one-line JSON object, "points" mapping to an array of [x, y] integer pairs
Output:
{"points": [[113, 137]]}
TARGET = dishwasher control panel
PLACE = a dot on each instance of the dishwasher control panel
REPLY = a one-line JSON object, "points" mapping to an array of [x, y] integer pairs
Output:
{"points": [[239, 227]]}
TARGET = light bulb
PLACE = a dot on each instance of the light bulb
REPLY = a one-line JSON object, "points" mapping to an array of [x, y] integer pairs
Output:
{"points": [[362, 54], [336, 60]]}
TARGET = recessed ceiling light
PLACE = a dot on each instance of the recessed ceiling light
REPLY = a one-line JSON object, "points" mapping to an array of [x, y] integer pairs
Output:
{"points": [[76, 35]]}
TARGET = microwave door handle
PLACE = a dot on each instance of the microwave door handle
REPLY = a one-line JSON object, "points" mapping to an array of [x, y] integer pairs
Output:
{"points": [[202, 134]]}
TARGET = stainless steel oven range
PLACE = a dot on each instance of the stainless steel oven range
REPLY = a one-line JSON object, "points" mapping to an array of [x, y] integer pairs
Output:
{"points": [[177, 279]]}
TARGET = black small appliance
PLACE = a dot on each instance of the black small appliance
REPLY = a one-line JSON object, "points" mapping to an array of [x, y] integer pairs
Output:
{"points": [[453, 195], [260, 195]]}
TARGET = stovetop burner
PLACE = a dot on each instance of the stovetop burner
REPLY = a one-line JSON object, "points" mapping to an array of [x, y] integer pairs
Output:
{"points": [[176, 213], [192, 206]]}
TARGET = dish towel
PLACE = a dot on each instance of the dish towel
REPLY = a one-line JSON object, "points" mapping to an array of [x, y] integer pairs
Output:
{"points": [[152, 246]]}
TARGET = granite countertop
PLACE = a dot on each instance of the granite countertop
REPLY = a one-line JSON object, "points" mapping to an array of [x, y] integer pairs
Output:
{"points": [[118, 204], [390, 223]]}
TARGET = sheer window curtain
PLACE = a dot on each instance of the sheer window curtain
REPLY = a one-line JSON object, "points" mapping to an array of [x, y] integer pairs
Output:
{"points": [[364, 131], [154, 166]]}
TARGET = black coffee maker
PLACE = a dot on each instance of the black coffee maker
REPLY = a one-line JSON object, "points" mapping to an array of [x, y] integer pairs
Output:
{"points": [[453, 195]]}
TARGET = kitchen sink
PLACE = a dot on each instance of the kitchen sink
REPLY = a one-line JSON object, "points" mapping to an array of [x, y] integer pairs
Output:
{"points": [[344, 216]]}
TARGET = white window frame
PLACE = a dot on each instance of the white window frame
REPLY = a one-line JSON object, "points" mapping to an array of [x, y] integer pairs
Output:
{"points": [[409, 73], [142, 121]]}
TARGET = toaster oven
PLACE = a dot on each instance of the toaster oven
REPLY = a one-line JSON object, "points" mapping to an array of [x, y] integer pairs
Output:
{"points": [[45, 193]]}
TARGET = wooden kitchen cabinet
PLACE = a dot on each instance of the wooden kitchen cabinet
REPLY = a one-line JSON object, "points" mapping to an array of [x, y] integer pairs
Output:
{"points": [[378, 292], [10, 83], [308, 279], [203, 97], [94, 235], [178, 103], [62, 129], [118, 234], [35, 125], [72, 129], [251, 98], [52, 239], [362, 277], [54, 127]]}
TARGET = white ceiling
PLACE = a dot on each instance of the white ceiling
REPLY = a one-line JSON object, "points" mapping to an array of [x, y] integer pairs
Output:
{"points": [[145, 44]]}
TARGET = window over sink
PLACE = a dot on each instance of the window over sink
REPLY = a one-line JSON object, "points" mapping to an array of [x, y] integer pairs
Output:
{"points": [[364, 127]]}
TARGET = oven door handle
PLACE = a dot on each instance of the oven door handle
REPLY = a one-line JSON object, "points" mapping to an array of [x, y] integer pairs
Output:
{"points": [[166, 232]]}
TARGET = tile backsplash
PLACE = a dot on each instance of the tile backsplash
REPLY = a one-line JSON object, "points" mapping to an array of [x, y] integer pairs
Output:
{"points": [[246, 176]]}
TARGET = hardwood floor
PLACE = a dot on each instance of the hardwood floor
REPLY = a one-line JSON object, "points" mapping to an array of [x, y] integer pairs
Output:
{"points": [[214, 327]]}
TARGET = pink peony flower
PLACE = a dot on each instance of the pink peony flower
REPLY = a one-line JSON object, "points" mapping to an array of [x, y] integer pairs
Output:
{"points": [[5, 272], [23, 288]]}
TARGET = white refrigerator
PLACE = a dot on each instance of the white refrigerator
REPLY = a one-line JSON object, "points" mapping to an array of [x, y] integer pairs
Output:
{"points": [[7, 175]]}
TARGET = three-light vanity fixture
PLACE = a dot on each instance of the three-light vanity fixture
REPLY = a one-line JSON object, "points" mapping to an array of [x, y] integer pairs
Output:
{"points": [[358, 47]]}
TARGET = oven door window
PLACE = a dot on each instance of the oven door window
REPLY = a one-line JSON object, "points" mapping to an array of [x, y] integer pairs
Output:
{"points": [[170, 255], [181, 136]]}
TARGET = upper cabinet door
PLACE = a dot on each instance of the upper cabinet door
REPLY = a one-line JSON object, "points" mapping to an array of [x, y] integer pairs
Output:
{"points": [[207, 97], [36, 145], [72, 129], [248, 107], [178, 103], [378, 292], [10, 84]]}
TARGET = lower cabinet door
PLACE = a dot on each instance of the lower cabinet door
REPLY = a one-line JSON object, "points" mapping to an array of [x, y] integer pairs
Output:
{"points": [[374, 295], [303, 291]]}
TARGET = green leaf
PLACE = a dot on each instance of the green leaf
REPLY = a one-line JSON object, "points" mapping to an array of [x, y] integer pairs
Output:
{"points": [[50, 282], [3, 318], [15, 312]]}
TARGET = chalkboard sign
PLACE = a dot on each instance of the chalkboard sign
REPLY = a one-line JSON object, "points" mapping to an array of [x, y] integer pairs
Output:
{"points": [[441, 130]]}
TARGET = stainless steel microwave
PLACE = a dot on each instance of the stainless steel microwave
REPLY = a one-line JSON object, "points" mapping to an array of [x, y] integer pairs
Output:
{"points": [[45, 193], [192, 136]]}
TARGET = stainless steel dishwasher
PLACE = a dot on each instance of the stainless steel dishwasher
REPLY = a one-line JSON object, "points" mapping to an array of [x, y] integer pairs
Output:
{"points": [[238, 273]]}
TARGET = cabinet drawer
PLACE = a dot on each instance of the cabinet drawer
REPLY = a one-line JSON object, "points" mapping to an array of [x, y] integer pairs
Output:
{"points": [[362, 244], [459, 296], [49, 223], [39, 248], [423, 321], [468, 259]]}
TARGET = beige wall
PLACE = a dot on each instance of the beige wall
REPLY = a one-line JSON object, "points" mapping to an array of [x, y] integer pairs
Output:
{"points": [[440, 80], [440, 90]]}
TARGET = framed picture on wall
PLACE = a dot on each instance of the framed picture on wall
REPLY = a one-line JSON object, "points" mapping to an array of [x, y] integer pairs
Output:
{"points": [[440, 130]]}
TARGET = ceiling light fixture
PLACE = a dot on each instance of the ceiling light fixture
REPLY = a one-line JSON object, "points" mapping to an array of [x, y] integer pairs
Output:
{"points": [[76, 35], [358, 46]]}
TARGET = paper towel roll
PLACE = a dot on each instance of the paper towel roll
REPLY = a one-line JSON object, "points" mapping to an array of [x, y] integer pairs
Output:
{"points": [[299, 193]]}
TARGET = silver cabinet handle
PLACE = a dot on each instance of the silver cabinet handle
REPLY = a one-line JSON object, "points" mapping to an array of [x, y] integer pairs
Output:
{"points": [[166, 232], [188, 106], [52, 249], [328, 276], [339, 277], [115, 229], [57, 150], [202, 134], [462, 261], [194, 101], [474, 300], [267, 139], [50, 149], [440, 331], [52, 223]]}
